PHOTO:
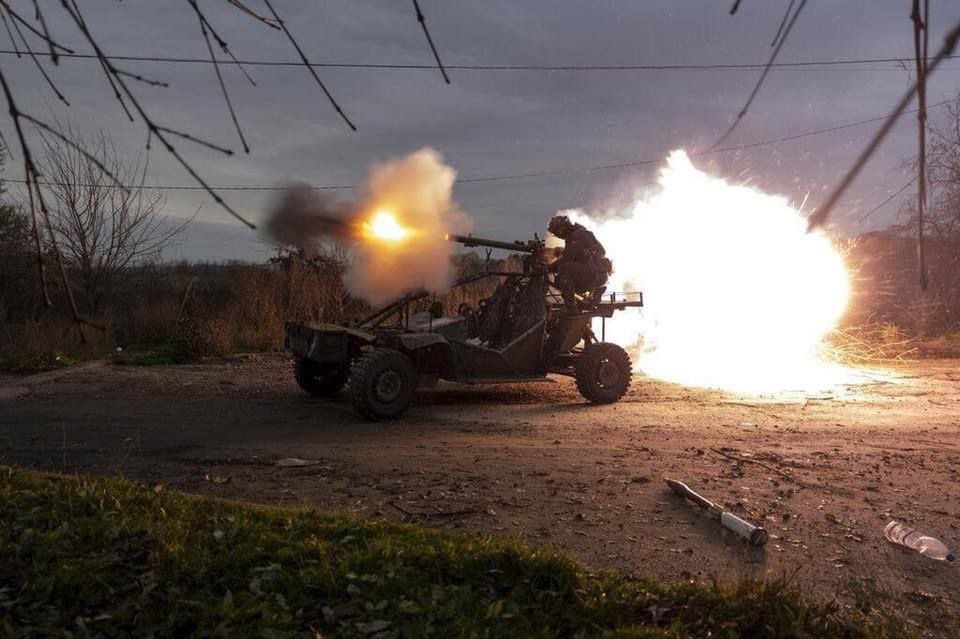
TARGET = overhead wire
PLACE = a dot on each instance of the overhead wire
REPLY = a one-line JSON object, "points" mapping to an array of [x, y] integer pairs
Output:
{"points": [[565, 171], [821, 215], [868, 214], [800, 64], [784, 34]]}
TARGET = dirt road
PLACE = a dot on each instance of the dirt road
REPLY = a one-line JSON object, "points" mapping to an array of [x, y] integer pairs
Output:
{"points": [[823, 473]]}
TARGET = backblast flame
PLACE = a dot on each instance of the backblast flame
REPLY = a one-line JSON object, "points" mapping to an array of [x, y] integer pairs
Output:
{"points": [[738, 295]]}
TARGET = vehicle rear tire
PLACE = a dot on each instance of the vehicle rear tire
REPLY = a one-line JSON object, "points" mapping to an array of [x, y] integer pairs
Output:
{"points": [[603, 373], [319, 380], [382, 382]]}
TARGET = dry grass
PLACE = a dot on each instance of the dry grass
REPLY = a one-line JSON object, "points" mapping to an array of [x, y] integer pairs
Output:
{"points": [[871, 344], [184, 312]]}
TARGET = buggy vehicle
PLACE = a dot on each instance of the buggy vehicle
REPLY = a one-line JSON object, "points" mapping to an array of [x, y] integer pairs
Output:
{"points": [[521, 333]]}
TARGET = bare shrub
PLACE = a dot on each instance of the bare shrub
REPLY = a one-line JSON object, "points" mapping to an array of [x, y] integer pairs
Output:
{"points": [[938, 309], [102, 230]]}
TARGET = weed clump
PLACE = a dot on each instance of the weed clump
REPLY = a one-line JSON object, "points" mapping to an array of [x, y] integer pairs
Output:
{"points": [[109, 558]]}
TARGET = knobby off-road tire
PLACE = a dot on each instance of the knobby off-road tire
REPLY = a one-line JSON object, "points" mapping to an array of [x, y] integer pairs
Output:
{"points": [[318, 380], [603, 373], [382, 382]]}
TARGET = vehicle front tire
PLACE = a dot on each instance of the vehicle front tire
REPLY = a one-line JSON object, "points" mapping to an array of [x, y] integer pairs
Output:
{"points": [[603, 373], [382, 383], [319, 380]]}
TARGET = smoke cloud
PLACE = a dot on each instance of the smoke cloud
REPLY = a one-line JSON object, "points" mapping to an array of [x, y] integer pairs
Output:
{"points": [[396, 229], [303, 217]]}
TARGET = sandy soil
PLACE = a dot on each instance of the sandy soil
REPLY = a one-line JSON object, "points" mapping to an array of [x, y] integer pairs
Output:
{"points": [[823, 473]]}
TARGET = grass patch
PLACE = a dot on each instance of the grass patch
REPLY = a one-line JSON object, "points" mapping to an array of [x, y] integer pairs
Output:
{"points": [[109, 558], [151, 354]]}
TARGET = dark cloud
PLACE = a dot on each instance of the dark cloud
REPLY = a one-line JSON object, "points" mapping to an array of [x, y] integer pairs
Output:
{"points": [[497, 123]]}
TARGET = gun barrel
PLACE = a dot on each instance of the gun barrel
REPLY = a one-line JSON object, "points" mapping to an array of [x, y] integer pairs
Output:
{"points": [[469, 240]]}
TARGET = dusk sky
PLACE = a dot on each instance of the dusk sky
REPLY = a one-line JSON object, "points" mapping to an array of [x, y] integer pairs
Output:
{"points": [[491, 123]]}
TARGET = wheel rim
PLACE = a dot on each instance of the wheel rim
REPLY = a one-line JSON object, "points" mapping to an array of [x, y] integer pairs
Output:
{"points": [[388, 386], [608, 374]]}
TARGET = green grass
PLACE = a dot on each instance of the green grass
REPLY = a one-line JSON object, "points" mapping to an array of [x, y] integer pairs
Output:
{"points": [[109, 558]]}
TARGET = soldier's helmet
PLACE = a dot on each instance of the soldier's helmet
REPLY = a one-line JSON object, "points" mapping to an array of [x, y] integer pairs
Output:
{"points": [[560, 225]]}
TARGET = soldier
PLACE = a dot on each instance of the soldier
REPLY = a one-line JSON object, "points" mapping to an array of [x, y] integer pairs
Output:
{"points": [[582, 267]]}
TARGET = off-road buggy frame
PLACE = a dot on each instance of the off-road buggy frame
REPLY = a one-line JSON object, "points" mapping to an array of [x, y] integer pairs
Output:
{"points": [[521, 333]]}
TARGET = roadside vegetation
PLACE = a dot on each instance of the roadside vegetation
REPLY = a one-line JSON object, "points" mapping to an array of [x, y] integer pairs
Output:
{"points": [[144, 311], [109, 558]]}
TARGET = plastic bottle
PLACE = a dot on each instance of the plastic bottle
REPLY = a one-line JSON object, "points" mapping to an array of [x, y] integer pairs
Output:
{"points": [[899, 533]]}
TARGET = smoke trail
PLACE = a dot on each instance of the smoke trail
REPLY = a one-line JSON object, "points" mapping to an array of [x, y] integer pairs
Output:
{"points": [[303, 216], [396, 230]]}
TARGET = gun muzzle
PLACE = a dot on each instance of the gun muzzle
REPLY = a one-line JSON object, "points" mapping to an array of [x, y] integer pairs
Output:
{"points": [[471, 241]]}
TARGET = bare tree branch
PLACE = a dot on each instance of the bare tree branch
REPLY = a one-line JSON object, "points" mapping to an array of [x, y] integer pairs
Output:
{"points": [[101, 231], [6, 25], [43, 72], [309, 67], [270, 22], [16, 17], [151, 125], [433, 48], [46, 32], [821, 215], [216, 67], [140, 78]]}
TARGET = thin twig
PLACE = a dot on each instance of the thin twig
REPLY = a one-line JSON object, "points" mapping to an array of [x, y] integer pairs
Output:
{"points": [[92, 158], [222, 44], [140, 78], [309, 67], [151, 125], [194, 139], [783, 23], [106, 72], [38, 246], [426, 32], [16, 17], [13, 41], [270, 22], [31, 171], [46, 32], [43, 72], [216, 67]]}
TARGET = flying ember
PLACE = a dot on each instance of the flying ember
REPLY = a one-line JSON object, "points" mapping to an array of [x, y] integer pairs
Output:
{"points": [[738, 295]]}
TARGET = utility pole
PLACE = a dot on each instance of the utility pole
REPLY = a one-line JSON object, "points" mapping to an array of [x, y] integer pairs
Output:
{"points": [[921, 39]]}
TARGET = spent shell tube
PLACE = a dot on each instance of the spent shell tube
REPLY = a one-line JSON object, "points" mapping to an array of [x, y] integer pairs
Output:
{"points": [[756, 535]]}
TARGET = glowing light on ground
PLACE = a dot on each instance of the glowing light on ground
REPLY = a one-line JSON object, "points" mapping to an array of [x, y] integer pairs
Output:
{"points": [[738, 295]]}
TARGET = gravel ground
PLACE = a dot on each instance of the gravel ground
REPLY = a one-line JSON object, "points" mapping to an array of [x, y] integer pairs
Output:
{"points": [[823, 473]]}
